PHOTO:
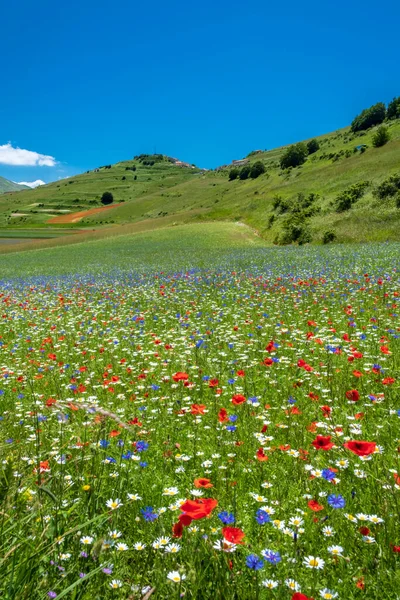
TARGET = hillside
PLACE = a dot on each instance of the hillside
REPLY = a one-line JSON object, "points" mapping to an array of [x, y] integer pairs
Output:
{"points": [[300, 204], [9, 186]]}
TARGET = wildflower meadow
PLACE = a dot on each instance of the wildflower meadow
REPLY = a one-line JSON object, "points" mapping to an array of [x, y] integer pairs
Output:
{"points": [[225, 431]]}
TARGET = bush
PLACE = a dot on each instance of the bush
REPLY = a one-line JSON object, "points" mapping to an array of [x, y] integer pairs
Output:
{"points": [[328, 237], [350, 195], [233, 174], [368, 117], [312, 146], [294, 156], [257, 169], [107, 198], [244, 172], [397, 200], [393, 109], [381, 137], [389, 187]]}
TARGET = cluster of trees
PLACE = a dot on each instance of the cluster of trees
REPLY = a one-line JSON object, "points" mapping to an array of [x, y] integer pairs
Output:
{"points": [[149, 159], [253, 171], [295, 227], [297, 154], [389, 188], [376, 114]]}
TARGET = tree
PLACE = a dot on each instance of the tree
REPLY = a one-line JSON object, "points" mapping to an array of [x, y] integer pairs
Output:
{"points": [[107, 198], [294, 156], [257, 169], [244, 172], [368, 117], [381, 137], [233, 174], [393, 109], [312, 146]]}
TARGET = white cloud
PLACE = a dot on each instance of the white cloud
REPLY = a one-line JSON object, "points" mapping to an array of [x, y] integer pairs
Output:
{"points": [[32, 184], [17, 157]]}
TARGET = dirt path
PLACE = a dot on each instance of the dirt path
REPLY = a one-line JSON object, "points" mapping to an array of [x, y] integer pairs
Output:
{"points": [[77, 216]]}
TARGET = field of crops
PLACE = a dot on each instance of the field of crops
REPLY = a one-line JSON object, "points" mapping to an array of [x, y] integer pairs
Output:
{"points": [[222, 428]]}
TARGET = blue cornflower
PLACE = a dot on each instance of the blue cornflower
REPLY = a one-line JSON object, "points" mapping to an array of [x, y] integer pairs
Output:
{"points": [[104, 444], [226, 517], [231, 427], [9, 441], [155, 387], [110, 459], [328, 474], [336, 501], [143, 464], [233, 418], [141, 446], [262, 517], [120, 443], [206, 377], [231, 381], [149, 514], [291, 400], [254, 562], [252, 399], [272, 557]]}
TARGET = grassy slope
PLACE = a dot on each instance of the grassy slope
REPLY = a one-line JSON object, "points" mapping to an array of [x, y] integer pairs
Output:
{"points": [[164, 194], [10, 186]]}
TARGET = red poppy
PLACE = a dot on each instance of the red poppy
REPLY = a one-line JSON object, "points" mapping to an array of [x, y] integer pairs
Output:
{"points": [[388, 380], [177, 530], [179, 376], [233, 535], [396, 549], [197, 409], [240, 373], [364, 531], [261, 455], [326, 410], [322, 442], [315, 506], [360, 448], [197, 509], [299, 596], [353, 395], [213, 383], [238, 399], [268, 361], [202, 482], [223, 415]]}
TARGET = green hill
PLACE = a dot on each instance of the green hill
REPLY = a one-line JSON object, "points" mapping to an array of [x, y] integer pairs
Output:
{"points": [[10, 186], [332, 196]]}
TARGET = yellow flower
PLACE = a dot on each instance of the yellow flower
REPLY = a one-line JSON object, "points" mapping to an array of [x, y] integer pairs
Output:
{"points": [[86, 488]]}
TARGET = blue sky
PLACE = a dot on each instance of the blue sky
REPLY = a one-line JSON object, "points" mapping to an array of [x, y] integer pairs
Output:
{"points": [[87, 83]]}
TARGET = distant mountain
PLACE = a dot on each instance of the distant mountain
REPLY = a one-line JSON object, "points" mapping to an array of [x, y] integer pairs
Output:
{"points": [[10, 186]]}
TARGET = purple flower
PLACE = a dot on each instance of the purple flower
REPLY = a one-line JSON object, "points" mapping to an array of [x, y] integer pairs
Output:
{"points": [[52, 594]]}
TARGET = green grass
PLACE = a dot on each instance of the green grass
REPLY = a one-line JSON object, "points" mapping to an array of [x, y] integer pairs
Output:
{"points": [[9, 186], [170, 247], [164, 191]]}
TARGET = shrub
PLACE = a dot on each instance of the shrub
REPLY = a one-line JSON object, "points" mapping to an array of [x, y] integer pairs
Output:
{"points": [[233, 174], [393, 109], [107, 198], [257, 169], [328, 237], [397, 200], [368, 117], [294, 156], [244, 172], [350, 195], [389, 187], [381, 137], [312, 146]]}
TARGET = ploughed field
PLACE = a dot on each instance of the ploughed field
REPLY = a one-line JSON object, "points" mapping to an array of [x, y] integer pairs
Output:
{"points": [[229, 431]]}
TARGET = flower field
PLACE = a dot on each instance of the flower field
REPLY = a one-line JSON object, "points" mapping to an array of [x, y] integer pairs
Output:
{"points": [[226, 432]]}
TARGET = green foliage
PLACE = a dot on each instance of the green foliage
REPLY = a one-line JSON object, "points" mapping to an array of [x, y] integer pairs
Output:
{"points": [[107, 198], [312, 146], [381, 137], [257, 169], [350, 195], [294, 156], [244, 172], [368, 117], [328, 237], [233, 174], [393, 109], [388, 188]]}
